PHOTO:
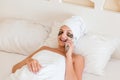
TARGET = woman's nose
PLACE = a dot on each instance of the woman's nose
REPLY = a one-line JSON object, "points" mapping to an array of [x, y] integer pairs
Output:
{"points": [[64, 36]]}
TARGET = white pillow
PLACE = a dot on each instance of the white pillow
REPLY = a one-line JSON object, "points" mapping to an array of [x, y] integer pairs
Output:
{"points": [[97, 50], [21, 36], [52, 41], [116, 54]]}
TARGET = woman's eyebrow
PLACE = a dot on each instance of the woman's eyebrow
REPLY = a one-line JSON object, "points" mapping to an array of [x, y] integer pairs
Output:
{"points": [[67, 30]]}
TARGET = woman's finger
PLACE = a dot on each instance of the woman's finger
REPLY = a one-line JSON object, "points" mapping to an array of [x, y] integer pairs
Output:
{"points": [[29, 67], [34, 66], [38, 66]]}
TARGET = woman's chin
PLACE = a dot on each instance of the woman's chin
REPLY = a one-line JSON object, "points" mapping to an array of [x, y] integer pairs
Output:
{"points": [[61, 45]]}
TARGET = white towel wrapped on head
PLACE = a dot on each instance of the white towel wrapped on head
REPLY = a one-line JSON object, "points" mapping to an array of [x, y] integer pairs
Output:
{"points": [[77, 25]]}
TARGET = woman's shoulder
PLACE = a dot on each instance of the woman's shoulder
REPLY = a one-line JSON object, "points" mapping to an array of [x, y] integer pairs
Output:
{"points": [[75, 55], [42, 48], [45, 48], [48, 48], [78, 57]]}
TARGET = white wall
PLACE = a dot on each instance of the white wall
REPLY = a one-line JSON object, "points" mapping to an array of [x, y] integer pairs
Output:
{"points": [[97, 20]]}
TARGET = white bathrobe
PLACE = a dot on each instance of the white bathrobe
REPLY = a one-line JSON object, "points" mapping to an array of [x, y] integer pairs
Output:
{"points": [[53, 68]]}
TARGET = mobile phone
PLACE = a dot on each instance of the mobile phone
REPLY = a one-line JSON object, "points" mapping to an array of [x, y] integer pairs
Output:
{"points": [[66, 47]]}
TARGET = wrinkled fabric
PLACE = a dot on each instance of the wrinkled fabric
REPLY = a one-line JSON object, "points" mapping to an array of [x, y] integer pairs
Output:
{"points": [[53, 68], [77, 25]]}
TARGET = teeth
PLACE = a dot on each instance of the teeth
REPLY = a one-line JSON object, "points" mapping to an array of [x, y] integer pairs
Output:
{"points": [[63, 40]]}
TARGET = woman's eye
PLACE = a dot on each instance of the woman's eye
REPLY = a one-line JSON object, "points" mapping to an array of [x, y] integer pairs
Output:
{"points": [[70, 35], [60, 32]]}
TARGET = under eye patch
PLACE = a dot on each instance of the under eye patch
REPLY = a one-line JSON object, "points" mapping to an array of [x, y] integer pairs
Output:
{"points": [[68, 34], [60, 32]]}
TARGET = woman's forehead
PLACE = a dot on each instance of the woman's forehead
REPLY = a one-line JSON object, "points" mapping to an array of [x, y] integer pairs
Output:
{"points": [[64, 27]]}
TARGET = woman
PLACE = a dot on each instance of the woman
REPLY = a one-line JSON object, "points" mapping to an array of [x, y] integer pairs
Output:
{"points": [[69, 33]]}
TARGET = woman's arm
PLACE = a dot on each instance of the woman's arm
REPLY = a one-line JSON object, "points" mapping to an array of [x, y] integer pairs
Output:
{"points": [[70, 72], [74, 64], [31, 62], [74, 67], [19, 65], [79, 66]]}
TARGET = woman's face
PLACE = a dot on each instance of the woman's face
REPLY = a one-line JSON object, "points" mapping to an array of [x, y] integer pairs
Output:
{"points": [[64, 34]]}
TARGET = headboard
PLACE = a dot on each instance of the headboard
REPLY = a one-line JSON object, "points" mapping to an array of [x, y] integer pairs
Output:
{"points": [[97, 20]]}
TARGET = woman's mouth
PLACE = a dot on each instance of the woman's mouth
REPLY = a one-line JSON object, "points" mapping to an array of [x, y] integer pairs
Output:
{"points": [[65, 40]]}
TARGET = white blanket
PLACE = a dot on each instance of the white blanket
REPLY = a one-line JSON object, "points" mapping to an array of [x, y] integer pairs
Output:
{"points": [[53, 68]]}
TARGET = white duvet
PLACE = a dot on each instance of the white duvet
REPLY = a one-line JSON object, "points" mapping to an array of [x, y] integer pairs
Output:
{"points": [[53, 68]]}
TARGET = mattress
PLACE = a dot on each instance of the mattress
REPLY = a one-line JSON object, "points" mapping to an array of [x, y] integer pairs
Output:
{"points": [[112, 72], [7, 60]]}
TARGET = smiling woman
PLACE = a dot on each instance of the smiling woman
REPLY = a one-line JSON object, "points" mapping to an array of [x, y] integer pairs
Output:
{"points": [[47, 13], [46, 61]]}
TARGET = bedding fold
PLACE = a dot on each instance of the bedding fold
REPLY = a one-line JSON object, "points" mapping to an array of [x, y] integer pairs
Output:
{"points": [[53, 68]]}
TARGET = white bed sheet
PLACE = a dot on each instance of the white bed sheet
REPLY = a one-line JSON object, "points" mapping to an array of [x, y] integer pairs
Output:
{"points": [[112, 72], [7, 60]]}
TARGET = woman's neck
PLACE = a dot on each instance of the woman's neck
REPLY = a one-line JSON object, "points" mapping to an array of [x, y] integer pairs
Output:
{"points": [[61, 49]]}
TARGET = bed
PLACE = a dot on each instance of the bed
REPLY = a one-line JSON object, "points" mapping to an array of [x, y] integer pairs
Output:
{"points": [[21, 27]]}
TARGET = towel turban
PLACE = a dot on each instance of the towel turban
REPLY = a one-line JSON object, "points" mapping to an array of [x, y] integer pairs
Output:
{"points": [[77, 26]]}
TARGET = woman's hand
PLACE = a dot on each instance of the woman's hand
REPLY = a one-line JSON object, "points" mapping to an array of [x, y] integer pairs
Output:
{"points": [[33, 65], [69, 52]]}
